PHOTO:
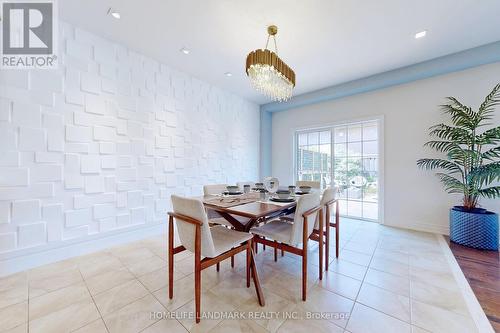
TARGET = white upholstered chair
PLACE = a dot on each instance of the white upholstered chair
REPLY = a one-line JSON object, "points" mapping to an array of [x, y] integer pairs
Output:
{"points": [[214, 189], [313, 184], [213, 244], [213, 215], [293, 236]]}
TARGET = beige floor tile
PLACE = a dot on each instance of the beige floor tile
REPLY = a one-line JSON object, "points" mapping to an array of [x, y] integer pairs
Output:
{"points": [[402, 258], [308, 325], [94, 327], [238, 326], [437, 320], [340, 284], [360, 247], [416, 329], [119, 296], [135, 316], [95, 265], [444, 298], [55, 280], [158, 279], [13, 316], [147, 266], [66, 319], [183, 293], [274, 304], [13, 289], [385, 301], [233, 290], [133, 255], [367, 320], [348, 269], [286, 286], [57, 300], [355, 257], [320, 300], [390, 266], [165, 325], [108, 279], [18, 329], [439, 279], [46, 271], [394, 283], [210, 309]]}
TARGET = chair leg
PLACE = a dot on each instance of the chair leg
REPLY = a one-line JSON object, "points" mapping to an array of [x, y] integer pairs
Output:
{"points": [[327, 245], [217, 267], [321, 244], [275, 254], [337, 227], [282, 253], [304, 273], [232, 261], [263, 247], [249, 254], [170, 258], [197, 273]]}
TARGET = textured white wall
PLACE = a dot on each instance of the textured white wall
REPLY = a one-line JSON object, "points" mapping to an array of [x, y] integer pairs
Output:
{"points": [[413, 198], [98, 145]]}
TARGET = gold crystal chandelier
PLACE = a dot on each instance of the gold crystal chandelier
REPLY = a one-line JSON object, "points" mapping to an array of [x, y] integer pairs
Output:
{"points": [[268, 73]]}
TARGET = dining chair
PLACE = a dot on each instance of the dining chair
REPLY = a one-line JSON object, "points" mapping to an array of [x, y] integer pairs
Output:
{"points": [[214, 217], [313, 184], [288, 236], [214, 244], [328, 198]]}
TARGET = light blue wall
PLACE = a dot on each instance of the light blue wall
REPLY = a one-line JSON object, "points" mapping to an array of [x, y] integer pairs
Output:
{"points": [[480, 55]]}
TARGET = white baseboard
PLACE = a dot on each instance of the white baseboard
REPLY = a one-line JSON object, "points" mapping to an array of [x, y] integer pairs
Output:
{"points": [[476, 311], [425, 227], [24, 261]]}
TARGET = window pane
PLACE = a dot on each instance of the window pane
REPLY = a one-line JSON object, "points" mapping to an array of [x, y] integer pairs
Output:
{"points": [[340, 150], [370, 131], [354, 149], [354, 133], [340, 134], [354, 208], [370, 148], [303, 139], [313, 138], [370, 210], [325, 137]]}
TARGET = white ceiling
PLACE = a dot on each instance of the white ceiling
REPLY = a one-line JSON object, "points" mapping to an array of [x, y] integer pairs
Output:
{"points": [[326, 42]]}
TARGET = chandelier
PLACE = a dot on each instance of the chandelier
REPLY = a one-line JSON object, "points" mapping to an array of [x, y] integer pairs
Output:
{"points": [[268, 73]]}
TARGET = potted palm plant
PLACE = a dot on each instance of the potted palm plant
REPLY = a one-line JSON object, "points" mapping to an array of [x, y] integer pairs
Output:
{"points": [[471, 167]]}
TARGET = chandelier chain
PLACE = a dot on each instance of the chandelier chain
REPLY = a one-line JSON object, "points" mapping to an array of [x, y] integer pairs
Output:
{"points": [[275, 45]]}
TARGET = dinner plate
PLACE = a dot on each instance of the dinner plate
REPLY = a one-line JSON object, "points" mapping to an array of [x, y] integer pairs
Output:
{"points": [[282, 200], [233, 193], [302, 193]]}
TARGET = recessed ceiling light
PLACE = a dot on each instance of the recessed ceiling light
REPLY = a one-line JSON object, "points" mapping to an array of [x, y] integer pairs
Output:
{"points": [[114, 13], [421, 34], [228, 74], [185, 51]]}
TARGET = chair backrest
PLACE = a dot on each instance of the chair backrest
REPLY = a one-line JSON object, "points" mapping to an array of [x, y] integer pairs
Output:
{"points": [[241, 184], [194, 209], [329, 194], [304, 203], [214, 189], [313, 184]]}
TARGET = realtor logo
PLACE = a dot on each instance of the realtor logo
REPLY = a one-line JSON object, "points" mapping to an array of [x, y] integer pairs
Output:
{"points": [[29, 34]]}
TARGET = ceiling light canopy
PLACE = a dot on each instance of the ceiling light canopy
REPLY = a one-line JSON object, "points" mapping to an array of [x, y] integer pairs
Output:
{"points": [[185, 50], [421, 34], [268, 73], [114, 13]]}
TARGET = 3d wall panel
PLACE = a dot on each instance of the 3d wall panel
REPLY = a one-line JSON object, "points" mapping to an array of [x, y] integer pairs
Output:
{"points": [[99, 144]]}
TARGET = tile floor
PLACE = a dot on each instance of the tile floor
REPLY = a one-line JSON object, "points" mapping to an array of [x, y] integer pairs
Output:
{"points": [[386, 280]]}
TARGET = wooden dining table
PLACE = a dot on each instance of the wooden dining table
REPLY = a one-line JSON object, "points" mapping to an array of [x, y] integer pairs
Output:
{"points": [[246, 210]]}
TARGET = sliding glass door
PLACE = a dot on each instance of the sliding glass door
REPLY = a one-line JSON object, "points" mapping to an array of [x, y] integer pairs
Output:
{"points": [[346, 156]]}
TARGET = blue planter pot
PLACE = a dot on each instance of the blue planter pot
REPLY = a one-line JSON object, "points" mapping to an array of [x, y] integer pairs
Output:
{"points": [[477, 228]]}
